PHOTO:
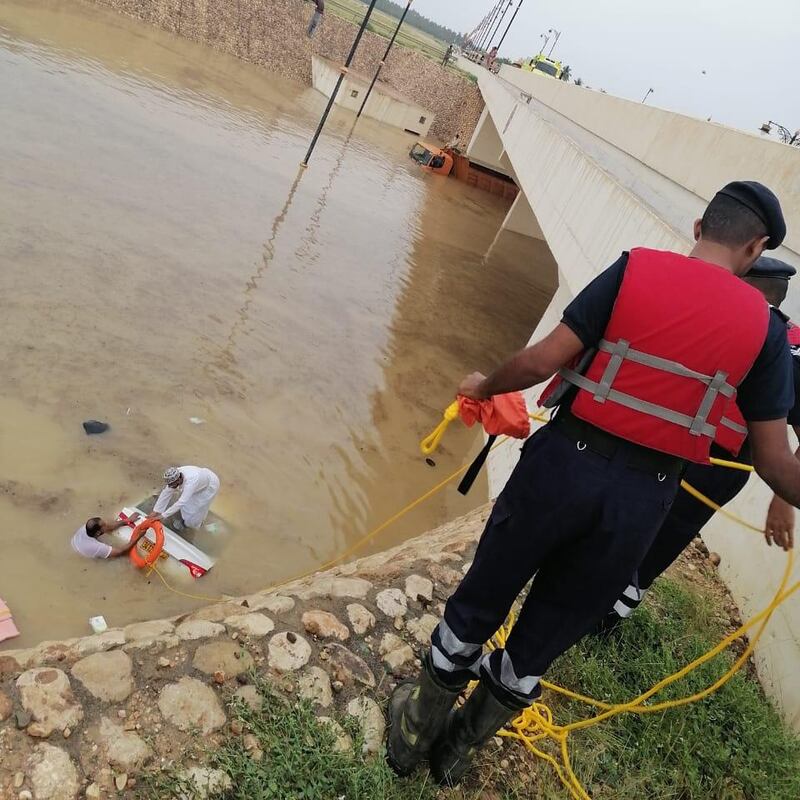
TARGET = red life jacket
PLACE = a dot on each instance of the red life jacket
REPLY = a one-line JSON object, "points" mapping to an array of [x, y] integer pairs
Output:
{"points": [[733, 428], [681, 338]]}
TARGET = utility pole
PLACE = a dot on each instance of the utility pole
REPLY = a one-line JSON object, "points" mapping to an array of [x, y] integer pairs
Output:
{"points": [[499, 23], [489, 24], [513, 17], [342, 72], [385, 56]]}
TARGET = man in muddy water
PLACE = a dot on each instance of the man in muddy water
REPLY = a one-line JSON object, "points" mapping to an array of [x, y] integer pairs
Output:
{"points": [[196, 488], [647, 379], [86, 540]]}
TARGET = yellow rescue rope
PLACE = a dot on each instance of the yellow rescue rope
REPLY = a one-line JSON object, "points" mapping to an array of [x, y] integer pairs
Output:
{"points": [[536, 723]]}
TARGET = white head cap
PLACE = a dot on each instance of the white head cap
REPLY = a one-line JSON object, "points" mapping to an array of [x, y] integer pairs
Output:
{"points": [[171, 474]]}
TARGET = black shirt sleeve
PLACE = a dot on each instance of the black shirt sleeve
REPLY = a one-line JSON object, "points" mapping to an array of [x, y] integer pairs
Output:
{"points": [[768, 390], [588, 314]]}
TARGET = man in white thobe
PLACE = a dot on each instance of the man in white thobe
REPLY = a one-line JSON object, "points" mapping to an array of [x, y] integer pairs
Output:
{"points": [[196, 488]]}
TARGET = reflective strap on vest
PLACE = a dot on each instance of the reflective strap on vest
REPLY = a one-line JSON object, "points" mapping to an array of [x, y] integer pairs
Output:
{"points": [[734, 426], [620, 351], [635, 403], [665, 365]]}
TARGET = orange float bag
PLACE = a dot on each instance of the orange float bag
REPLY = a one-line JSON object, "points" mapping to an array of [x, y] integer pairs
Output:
{"points": [[501, 415]]}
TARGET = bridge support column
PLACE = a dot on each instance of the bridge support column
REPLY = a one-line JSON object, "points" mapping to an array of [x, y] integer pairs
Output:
{"points": [[521, 219]]}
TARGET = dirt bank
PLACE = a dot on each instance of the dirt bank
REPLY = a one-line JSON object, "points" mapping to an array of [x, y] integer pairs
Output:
{"points": [[272, 33]]}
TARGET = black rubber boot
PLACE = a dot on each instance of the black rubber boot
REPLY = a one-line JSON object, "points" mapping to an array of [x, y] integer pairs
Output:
{"points": [[467, 729], [418, 712]]}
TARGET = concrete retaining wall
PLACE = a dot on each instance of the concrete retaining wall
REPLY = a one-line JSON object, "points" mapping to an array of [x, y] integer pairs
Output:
{"points": [[387, 107]]}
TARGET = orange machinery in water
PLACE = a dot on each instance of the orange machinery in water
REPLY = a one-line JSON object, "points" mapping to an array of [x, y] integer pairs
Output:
{"points": [[450, 162]]}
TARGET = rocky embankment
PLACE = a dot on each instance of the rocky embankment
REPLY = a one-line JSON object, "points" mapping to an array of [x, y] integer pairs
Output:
{"points": [[272, 34], [87, 717]]}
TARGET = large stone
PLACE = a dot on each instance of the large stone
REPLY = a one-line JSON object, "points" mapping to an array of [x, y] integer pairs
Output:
{"points": [[255, 625], [250, 696], [274, 603], [99, 643], [165, 641], [189, 704], [6, 706], [198, 629], [422, 628], [328, 586], [443, 574], [47, 696], [226, 657], [418, 587], [370, 719], [217, 612], [288, 652], [324, 625], [9, 665], [342, 742], [315, 685], [396, 653], [206, 782], [361, 618], [53, 775], [107, 676], [147, 630], [346, 666], [124, 749], [392, 602]]}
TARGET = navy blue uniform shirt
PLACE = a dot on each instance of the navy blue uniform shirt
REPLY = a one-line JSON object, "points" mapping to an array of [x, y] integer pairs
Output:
{"points": [[766, 393]]}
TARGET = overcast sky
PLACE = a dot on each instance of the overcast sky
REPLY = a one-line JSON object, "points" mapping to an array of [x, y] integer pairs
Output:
{"points": [[749, 49]]}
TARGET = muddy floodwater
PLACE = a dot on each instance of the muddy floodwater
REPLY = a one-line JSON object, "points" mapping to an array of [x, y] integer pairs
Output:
{"points": [[160, 260]]}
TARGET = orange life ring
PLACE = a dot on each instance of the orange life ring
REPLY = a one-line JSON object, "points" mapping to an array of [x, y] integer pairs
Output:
{"points": [[148, 560]]}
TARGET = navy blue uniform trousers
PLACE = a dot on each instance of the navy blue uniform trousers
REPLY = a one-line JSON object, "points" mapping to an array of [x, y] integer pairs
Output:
{"points": [[581, 524], [688, 516]]}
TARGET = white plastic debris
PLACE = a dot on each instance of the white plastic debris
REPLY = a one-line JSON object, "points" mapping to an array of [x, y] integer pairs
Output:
{"points": [[196, 420], [98, 624]]}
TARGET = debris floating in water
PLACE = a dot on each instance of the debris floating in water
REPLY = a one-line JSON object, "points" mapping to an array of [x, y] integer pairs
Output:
{"points": [[92, 426], [98, 624], [196, 420], [430, 462]]}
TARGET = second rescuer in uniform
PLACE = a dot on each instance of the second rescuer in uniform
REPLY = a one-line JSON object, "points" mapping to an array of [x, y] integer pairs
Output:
{"points": [[652, 377]]}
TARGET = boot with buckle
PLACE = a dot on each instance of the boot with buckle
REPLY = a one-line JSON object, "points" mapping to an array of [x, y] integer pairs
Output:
{"points": [[418, 711], [467, 729]]}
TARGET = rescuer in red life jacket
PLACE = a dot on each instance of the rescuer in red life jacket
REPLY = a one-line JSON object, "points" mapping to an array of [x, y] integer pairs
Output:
{"points": [[721, 484], [651, 379]]}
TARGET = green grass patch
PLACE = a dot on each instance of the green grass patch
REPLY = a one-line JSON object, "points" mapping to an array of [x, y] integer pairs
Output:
{"points": [[300, 761], [731, 746]]}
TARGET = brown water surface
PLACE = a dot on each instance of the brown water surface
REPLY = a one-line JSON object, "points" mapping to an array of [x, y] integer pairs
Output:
{"points": [[160, 259]]}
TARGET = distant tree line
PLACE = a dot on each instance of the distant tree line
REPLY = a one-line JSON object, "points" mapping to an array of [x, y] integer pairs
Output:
{"points": [[418, 21]]}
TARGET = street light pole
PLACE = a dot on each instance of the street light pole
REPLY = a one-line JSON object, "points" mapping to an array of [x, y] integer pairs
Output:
{"points": [[492, 17], [546, 40], [513, 17], [647, 94], [385, 56], [342, 72], [500, 19], [555, 41]]}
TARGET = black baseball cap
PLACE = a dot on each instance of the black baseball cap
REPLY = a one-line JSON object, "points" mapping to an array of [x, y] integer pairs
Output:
{"points": [[766, 267], [763, 203]]}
